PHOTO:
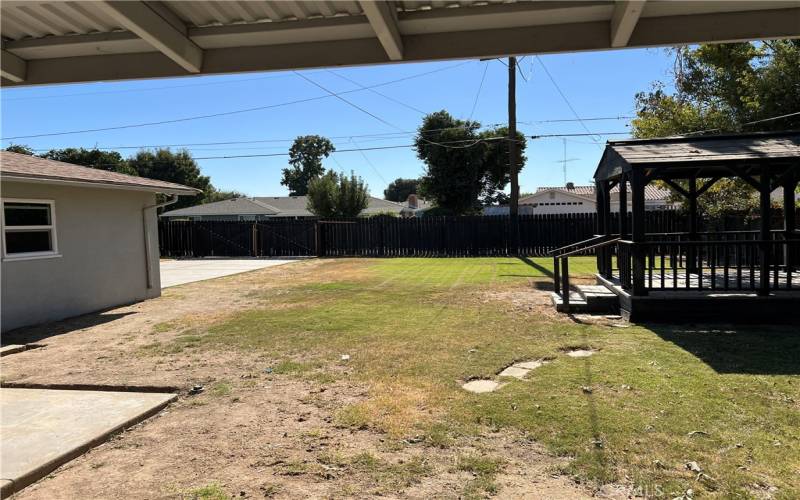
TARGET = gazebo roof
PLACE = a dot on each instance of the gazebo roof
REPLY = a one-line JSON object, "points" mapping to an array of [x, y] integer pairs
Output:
{"points": [[702, 156]]}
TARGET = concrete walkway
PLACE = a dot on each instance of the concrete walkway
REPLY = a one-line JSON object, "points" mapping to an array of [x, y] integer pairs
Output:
{"points": [[43, 428], [179, 272]]}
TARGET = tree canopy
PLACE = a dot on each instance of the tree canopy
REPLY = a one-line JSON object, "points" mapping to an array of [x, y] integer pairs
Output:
{"points": [[399, 189], [305, 158], [161, 164], [21, 149], [173, 166], [725, 88], [94, 158], [337, 195], [464, 167]]}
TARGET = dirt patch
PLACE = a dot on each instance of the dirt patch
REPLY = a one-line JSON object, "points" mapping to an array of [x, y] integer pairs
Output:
{"points": [[256, 429], [273, 436], [520, 300]]}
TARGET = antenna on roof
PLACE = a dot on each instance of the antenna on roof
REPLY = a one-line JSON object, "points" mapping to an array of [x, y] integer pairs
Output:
{"points": [[565, 161]]}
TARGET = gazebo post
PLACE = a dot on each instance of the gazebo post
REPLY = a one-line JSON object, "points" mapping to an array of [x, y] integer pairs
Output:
{"points": [[789, 222], [764, 246], [691, 251], [603, 201], [623, 206], [638, 229]]}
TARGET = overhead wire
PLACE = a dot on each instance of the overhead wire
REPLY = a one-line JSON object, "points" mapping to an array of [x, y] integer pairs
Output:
{"points": [[392, 99], [564, 97], [369, 162], [228, 113], [146, 89], [478, 93]]}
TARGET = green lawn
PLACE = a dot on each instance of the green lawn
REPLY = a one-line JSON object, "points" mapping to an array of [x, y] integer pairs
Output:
{"points": [[650, 400]]}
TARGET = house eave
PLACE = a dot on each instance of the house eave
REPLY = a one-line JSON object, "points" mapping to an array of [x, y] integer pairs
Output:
{"points": [[103, 185]]}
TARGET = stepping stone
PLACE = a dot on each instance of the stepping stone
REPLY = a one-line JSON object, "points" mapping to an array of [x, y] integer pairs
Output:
{"points": [[530, 365], [481, 386], [514, 371], [580, 353]]}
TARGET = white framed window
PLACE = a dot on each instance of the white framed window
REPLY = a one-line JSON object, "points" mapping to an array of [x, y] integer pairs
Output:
{"points": [[29, 229]]}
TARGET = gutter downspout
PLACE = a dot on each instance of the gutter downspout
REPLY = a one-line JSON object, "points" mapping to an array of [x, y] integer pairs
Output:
{"points": [[148, 271]]}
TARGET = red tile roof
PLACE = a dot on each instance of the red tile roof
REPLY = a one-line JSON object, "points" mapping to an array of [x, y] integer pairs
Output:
{"points": [[20, 167]]}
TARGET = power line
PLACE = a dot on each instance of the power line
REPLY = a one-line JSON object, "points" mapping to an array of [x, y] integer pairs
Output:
{"points": [[334, 94], [590, 134], [396, 101], [228, 113], [363, 155], [126, 91], [373, 115], [374, 135], [478, 94], [569, 105], [593, 119], [770, 119], [354, 150], [379, 136]]}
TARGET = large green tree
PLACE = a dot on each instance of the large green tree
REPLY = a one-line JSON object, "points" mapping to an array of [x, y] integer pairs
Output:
{"points": [[464, 167], [305, 158], [94, 158], [337, 195], [399, 189], [174, 166], [725, 88], [161, 164]]}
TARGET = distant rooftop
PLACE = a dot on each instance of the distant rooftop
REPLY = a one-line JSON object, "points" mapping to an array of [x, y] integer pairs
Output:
{"points": [[272, 206], [651, 192]]}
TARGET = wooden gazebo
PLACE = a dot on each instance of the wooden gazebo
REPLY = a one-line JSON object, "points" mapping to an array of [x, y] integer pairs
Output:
{"points": [[697, 274]]}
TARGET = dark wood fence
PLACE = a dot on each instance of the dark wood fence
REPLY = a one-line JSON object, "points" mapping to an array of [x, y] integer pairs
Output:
{"points": [[389, 236]]}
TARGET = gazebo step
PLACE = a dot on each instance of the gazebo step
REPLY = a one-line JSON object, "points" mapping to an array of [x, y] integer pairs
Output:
{"points": [[588, 299]]}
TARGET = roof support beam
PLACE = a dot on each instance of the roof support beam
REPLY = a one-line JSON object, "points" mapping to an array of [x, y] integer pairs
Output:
{"points": [[623, 21], [141, 19], [14, 68], [651, 32], [383, 18]]}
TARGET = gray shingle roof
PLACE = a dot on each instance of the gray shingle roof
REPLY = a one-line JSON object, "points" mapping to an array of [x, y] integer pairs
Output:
{"points": [[709, 148], [651, 192], [275, 206], [24, 167]]}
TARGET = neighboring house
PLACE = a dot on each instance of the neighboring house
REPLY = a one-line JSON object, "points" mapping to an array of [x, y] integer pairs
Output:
{"points": [[74, 239], [267, 207], [572, 199]]}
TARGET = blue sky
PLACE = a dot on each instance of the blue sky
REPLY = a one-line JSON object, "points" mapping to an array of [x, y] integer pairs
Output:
{"points": [[597, 84]]}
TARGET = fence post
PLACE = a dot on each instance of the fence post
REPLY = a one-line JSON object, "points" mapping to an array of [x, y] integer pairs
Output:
{"points": [[318, 239]]}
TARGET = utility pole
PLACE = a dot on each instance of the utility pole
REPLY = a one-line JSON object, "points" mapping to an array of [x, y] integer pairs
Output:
{"points": [[512, 153], [512, 134]]}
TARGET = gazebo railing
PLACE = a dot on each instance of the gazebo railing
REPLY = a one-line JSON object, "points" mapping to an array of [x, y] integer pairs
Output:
{"points": [[719, 264]]}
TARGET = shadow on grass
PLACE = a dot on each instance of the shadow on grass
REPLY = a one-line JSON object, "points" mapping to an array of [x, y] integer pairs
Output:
{"points": [[597, 460], [543, 271], [756, 350], [31, 334]]}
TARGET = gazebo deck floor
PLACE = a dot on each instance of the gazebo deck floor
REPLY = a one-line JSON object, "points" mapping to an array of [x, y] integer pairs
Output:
{"points": [[747, 281], [681, 304]]}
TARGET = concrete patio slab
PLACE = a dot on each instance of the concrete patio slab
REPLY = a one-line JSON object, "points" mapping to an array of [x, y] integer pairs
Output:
{"points": [[179, 272], [44, 428]]}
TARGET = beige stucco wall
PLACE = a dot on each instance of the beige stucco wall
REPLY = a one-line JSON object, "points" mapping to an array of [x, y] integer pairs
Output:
{"points": [[101, 240]]}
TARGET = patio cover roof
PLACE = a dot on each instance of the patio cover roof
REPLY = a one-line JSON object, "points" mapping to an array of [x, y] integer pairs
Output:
{"points": [[702, 156], [46, 42]]}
